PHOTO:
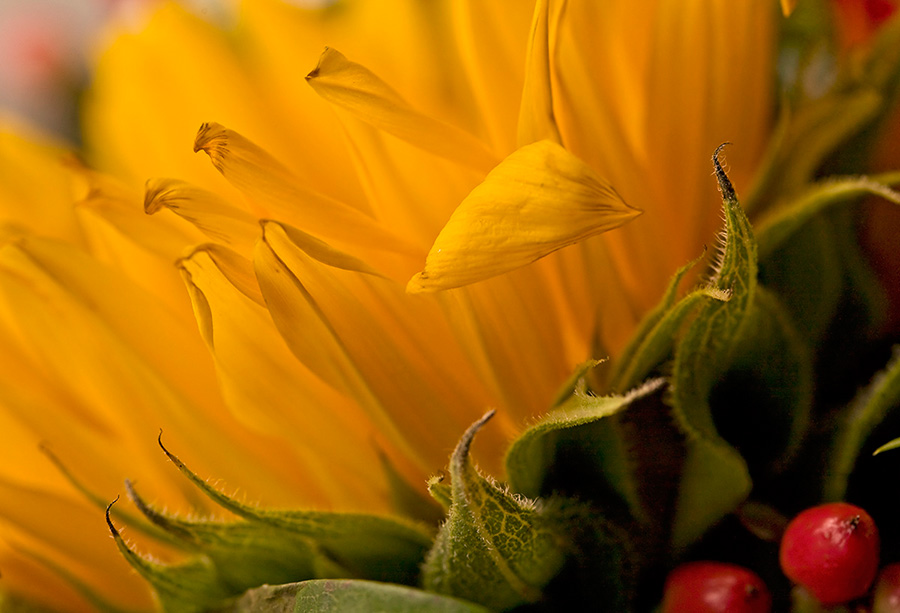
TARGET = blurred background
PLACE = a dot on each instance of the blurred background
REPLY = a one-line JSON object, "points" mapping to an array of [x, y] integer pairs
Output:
{"points": [[45, 48]]}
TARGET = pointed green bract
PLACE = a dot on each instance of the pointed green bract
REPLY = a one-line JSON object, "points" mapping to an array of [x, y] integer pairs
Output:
{"points": [[189, 587], [868, 410], [346, 596], [372, 547], [715, 478], [495, 548], [533, 452], [226, 558]]}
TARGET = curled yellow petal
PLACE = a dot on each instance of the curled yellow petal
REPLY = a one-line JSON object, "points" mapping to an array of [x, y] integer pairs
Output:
{"points": [[356, 89], [277, 193], [539, 199], [209, 212]]}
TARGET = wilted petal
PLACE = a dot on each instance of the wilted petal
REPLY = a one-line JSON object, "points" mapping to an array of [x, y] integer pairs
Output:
{"points": [[539, 199], [356, 89]]}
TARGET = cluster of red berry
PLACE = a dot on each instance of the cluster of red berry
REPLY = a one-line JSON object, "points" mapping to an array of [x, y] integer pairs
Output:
{"points": [[831, 551]]}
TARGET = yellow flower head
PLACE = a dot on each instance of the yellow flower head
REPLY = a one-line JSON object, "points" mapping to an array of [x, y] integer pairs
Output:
{"points": [[364, 248]]}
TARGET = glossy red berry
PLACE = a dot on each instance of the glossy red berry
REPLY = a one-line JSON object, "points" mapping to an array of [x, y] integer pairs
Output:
{"points": [[887, 590], [715, 587], [832, 551]]}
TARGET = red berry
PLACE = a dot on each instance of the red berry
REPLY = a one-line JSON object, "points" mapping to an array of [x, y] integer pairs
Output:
{"points": [[887, 590], [831, 550], [715, 587]]}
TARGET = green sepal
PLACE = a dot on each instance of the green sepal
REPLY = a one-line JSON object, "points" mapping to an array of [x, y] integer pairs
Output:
{"points": [[865, 413], [191, 586], [245, 554], [348, 596], [531, 455], [368, 546], [495, 548], [715, 478]]}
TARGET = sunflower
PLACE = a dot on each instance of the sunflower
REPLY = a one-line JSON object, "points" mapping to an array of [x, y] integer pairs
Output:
{"points": [[446, 210]]}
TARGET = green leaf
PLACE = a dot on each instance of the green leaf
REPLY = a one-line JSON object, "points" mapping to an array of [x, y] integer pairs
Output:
{"points": [[715, 478], [866, 412], [889, 446], [348, 596], [780, 224], [762, 405], [495, 548], [533, 452]]}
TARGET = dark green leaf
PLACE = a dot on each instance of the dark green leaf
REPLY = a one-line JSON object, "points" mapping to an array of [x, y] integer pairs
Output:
{"points": [[869, 408], [762, 405]]}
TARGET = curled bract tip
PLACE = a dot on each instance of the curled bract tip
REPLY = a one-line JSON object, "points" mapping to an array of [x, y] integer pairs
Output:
{"points": [[109, 523], [728, 193]]}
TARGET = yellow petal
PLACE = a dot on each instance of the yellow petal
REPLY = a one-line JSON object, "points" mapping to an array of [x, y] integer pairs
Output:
{"points": [[71, 542], [137, 127], [277, 193], [491, 37], [393, 352], [36, 188], [536, 121], [211, 214], [788, 6], [356, 89], [539, 199], [56, 297], [273, 394]]}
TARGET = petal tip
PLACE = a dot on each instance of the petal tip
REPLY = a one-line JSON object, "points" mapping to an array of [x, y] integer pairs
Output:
{"points": [[418, 285]]}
